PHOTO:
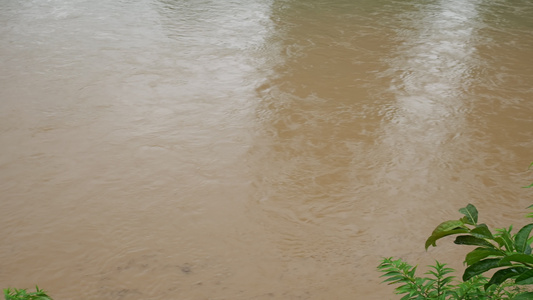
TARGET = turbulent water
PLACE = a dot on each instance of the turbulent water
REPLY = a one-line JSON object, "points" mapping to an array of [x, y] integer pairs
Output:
{"points": [[254, 149]]}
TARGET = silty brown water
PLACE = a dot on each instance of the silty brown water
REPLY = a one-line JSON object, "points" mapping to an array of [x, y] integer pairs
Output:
{"points": [[254, 149]]}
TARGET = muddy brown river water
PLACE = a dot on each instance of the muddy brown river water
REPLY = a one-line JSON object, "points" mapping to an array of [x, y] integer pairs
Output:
{"points": [[254, 149]]}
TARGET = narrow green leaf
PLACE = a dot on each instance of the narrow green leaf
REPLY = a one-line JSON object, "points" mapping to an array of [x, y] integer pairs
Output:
{"points": [[473, 241], [431, 241], [481, 267], [525, 277], [521, 238], [523, 296], [395, 279], [447, 280], [501, 275], [518, 257], [471, 214], [480, 253], [391, 273], [504, 243], [445, 229], [448, 226], [482, 231], [528, 248], [411, 273]]}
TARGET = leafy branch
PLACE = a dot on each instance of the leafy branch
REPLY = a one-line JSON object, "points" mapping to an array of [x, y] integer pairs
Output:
{"points": [[508, 253], [439, 285], [23, 294]]}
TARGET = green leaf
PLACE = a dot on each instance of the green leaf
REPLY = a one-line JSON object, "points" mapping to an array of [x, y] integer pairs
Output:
{"points": [[528, 247], [479, 254], [482, 231], [445, 229], [523, 296], [525, 278], [521, 238], [411, 273], [447, 280], [503, 243], [518, 257], [501, 275], [473, 241], [395, 279], [504, 238], [481, 267], [471, 214]]}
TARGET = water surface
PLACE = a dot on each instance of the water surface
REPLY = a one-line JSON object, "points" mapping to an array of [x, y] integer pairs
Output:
{"points": [[263, 149]]}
